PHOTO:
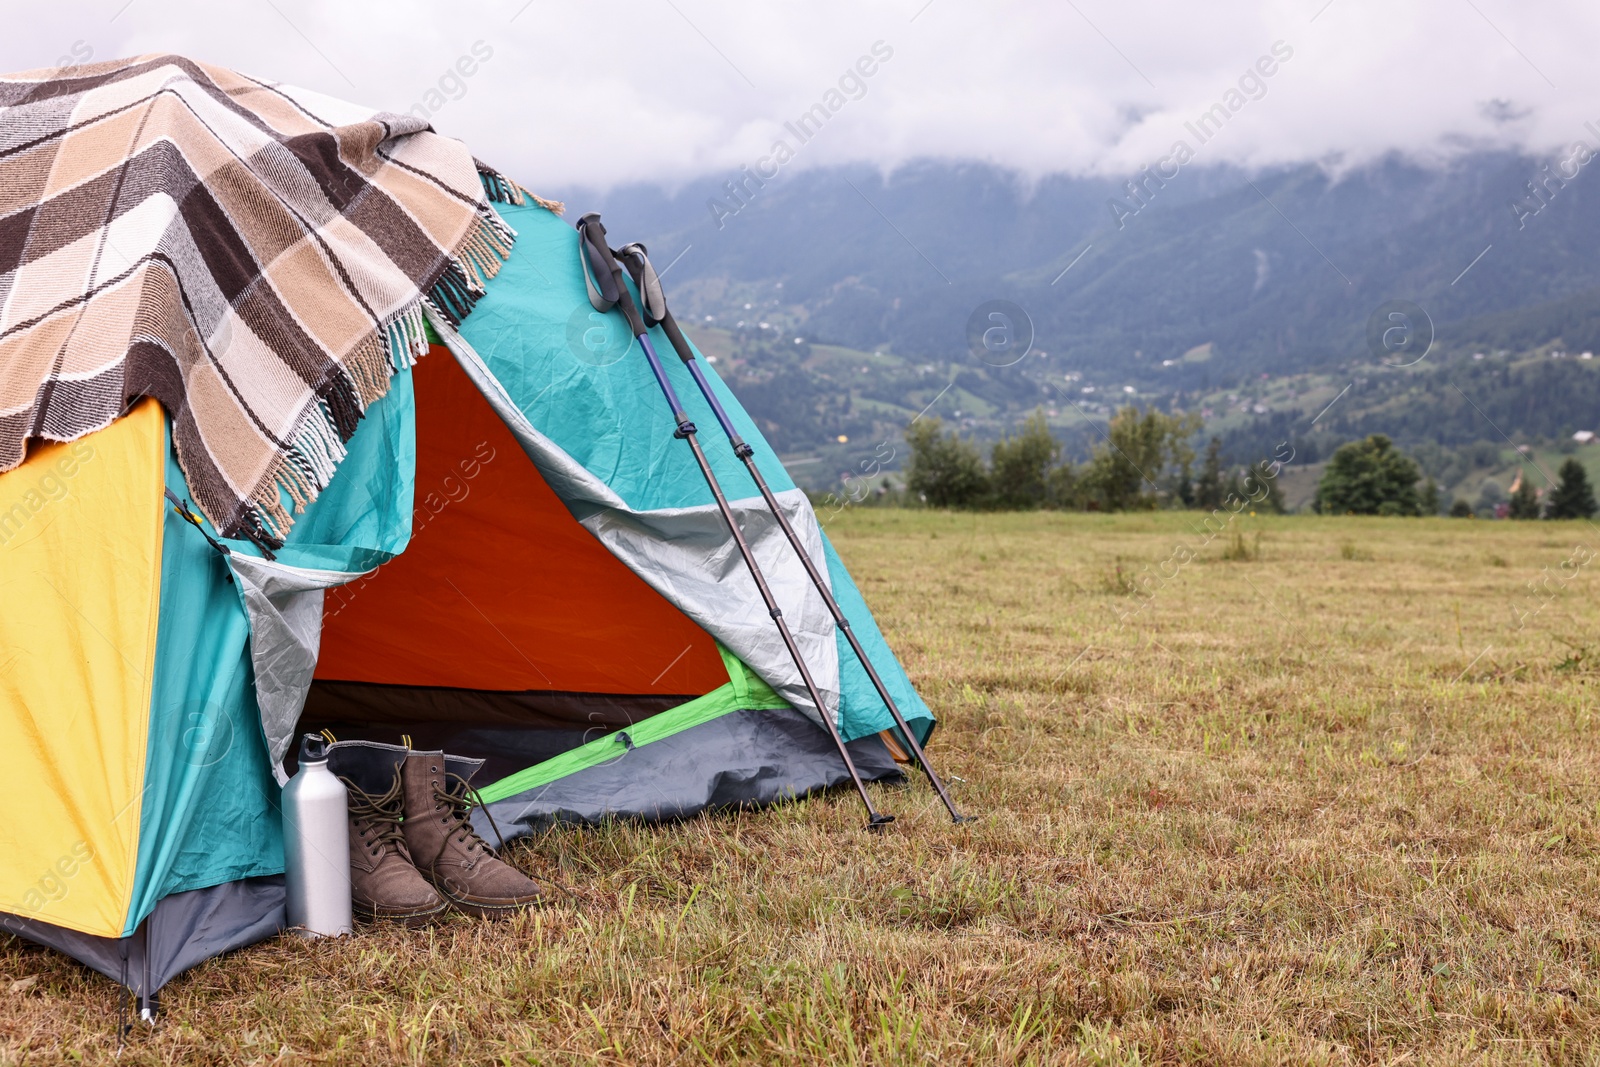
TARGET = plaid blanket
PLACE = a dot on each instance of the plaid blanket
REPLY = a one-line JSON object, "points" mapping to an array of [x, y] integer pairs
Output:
{"points": [[256, 257]]}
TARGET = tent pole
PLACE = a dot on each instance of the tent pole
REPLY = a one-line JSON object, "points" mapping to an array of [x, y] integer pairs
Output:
{"points": [[592, 235], [656, 305]]}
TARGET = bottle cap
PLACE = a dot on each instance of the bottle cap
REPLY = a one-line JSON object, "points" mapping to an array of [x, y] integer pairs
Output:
{"points": [[313, 749]]}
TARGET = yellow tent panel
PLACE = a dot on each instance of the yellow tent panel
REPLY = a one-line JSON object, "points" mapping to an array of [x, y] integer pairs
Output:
{"points": [[80, 565]]}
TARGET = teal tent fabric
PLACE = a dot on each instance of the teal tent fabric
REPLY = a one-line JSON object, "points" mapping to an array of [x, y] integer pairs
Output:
{"points": [[862, 710], [209, 808], [582, 382], [209, 788], [208, 777], [363, 518], [594, 396]]}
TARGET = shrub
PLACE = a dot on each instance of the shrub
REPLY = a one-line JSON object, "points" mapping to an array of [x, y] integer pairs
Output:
{"points": [[946, 470], [1259, 486], [1490, 497], [1369, 477], [1572, 498], [1208, 490], [1140, 449], [1145, 460], [1428, 502], [1524, 499], [1239, 550], [1349, 550], [1020, 466], [1118, 582], [1066, 487]]}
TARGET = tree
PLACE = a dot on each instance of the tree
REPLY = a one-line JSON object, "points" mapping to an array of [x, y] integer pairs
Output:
{"points": [[1524, 499], [1180, 458], [1208, 491], [1066, 487], [1461, 510], [1572, 498], [945, 470], [1369, 477], [1259, 486], [1429, 500], [1139, 451], [1020, 466], [1490, 497]]}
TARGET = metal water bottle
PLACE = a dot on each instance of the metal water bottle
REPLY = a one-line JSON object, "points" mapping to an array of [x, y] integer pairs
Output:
{"points": [[316, 845]]}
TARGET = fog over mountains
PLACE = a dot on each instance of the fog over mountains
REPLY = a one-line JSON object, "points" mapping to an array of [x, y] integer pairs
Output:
{"points": [[838, 301], [1278, 271]]}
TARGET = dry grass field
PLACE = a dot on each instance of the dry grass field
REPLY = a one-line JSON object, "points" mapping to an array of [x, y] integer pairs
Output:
{"points": [[1325, 792]]}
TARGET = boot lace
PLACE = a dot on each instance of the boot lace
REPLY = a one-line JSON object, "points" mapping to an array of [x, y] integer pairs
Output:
{"points": [[379, 817], [460, 798]]}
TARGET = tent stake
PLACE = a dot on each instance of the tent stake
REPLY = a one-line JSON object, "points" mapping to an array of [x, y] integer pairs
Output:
{"points": [[656, 311], [606, 269]]}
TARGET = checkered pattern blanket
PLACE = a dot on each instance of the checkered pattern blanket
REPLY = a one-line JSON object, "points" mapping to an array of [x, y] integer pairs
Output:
{"points": [[256, 257]]}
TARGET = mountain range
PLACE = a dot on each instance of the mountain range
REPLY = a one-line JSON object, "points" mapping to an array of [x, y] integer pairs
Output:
{"points": [[1176, 291]]}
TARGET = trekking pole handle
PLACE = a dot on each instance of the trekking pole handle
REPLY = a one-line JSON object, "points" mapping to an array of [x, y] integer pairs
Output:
{"points": [[592, 232], [638, 266]]}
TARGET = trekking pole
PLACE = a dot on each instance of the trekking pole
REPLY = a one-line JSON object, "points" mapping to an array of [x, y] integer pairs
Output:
{"points": [[656, 312], [613, 291]]}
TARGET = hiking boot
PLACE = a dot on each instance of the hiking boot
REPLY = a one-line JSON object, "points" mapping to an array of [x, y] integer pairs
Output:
{"points": [[445, 847], [384, 884]]}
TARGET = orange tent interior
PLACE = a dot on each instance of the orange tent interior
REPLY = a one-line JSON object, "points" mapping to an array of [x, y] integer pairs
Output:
{"points": [[503, 611]]}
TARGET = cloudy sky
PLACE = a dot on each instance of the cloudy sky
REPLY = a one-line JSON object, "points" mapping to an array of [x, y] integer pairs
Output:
{"points": [[566, 93]]}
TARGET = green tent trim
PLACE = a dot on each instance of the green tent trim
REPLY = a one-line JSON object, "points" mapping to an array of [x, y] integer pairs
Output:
{"points": [[744, 692]]}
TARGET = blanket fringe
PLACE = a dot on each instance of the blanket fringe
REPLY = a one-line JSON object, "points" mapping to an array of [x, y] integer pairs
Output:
{"points": [[478, 258], [368, 367], [317, 445], [406, 339], [503, 190]]}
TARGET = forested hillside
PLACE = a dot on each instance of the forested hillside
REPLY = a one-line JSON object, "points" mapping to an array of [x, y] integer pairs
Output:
{"points": [[838, 301]]}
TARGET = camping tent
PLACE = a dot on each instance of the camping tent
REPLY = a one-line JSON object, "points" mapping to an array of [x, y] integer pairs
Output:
{"points": [[514, 560]]}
